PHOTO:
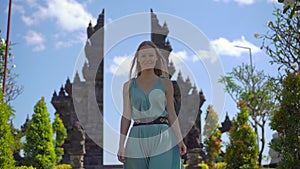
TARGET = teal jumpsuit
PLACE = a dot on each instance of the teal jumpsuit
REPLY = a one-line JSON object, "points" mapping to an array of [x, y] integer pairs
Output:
{"points": [[151, 146]]}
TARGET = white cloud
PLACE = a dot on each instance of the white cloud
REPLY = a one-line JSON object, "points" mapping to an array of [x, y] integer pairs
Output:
{"points": [[69, 15], [27, 20], [35, 39], [272, 1], [32, 3], [218, 47], [39, 47], [77, 38], [240, 2], [245, 2], [121, 65], [181, 56], [206, 54], [18, 8], [223, 46]]}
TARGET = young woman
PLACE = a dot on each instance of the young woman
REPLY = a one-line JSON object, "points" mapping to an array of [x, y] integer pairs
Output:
{"points": [[155, 140]]}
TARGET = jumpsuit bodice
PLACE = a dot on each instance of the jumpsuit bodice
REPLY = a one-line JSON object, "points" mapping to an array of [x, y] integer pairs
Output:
{"points": [[150, 104]]}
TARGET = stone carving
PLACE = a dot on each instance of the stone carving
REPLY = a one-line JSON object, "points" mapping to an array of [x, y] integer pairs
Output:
{"points": [[77, 146], [275, 157], [192, 139], [226, 125], [80, 95]]}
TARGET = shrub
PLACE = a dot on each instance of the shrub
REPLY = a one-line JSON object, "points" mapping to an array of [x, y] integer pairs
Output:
{"points": [[221, 165], [6, 137], [203, 165], [63, 166], [242, 151], [25, 167], [39, 146]]}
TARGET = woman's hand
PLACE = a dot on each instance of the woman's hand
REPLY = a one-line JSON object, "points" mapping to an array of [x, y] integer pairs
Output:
{"points": [[182, 148], [121, 154]]}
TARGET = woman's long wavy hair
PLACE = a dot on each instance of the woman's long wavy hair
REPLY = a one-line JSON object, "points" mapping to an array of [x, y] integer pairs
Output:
{"points": [[160, 66]]}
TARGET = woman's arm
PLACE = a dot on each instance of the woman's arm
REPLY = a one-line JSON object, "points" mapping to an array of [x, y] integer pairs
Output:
{"points": [[173, 119], [125, 120]]}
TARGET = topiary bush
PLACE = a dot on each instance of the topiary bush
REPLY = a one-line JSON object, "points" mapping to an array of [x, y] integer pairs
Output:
{"points": [[242, 151]]}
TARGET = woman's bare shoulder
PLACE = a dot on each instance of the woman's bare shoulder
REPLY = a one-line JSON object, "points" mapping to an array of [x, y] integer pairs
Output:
{"points": [[167, 83], [127, 84]]}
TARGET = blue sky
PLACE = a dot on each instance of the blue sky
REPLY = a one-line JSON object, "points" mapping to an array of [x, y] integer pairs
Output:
{"points": [[49, 36]]}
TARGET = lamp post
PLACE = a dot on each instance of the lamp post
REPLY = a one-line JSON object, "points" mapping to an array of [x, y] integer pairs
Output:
{"points": [[6, 49], [251, 67], [244, 47]]}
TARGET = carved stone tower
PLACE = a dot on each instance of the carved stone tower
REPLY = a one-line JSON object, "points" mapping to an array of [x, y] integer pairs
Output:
{"points": [[188, 101], [81, 102]]}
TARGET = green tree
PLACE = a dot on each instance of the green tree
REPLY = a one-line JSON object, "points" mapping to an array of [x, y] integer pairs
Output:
{"points": [[213, 148], [290, 4], [39, 147], [61, 134], [12, 89], [286, 122], [282, 41], [18, 144], [254, 87], [211, 121], [6, 137], [282, 44], [242, 150]]}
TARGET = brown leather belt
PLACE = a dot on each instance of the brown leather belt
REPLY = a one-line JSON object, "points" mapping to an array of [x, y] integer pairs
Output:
{"points": [[159, 120]]}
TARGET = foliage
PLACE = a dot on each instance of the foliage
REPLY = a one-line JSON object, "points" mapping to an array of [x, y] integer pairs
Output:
{"points": [[203, 165], [293, 5], [213, 148], [286, 122], [17, 136], [221, 165], [242, 150], [61, 134], [211, 121], [246, 83], [39, 147], [63, 166], [12, 89], [25, 167], [282, 41], [6, 137]]}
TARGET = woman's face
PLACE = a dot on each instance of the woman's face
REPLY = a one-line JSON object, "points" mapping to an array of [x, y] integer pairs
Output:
{"points": [[147, 57]]}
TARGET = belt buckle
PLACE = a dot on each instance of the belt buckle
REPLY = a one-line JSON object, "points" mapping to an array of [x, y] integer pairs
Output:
{"points": [[163, 120], [137, 121]]}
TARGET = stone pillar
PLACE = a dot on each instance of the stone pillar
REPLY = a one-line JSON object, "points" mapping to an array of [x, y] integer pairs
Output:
{"points": [[193, 158], [77, 146], [76, 161], [275, 157]]}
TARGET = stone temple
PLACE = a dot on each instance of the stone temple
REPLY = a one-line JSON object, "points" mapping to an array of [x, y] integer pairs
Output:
{"points": [[83, 99]]}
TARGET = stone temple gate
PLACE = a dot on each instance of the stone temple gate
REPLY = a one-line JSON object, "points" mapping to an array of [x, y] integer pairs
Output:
{"points": [[82, 151]]}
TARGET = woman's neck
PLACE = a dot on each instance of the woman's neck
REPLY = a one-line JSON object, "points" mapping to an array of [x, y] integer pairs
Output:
{"points": [[149, 73]]}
